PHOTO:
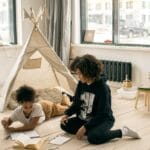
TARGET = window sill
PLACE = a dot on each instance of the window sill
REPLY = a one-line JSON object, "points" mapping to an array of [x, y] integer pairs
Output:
{"points": [[113, 47], [10, 46]]}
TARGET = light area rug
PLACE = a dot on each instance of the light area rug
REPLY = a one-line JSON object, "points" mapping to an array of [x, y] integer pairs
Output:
{"points": [[125, 114]]}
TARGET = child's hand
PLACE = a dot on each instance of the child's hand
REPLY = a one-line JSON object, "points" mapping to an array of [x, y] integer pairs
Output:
{"points": [[4, 123], [10, 129]]}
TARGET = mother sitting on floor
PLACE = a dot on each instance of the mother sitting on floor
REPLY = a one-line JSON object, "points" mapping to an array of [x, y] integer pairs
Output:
{"points": [[92, 105]]}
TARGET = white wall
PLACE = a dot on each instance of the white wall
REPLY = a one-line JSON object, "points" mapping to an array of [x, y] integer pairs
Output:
{"points": [[26, 23], [139, 57]]}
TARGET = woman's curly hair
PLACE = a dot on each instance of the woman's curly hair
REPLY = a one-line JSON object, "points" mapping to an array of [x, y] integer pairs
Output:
{"points": [[25, 94], [89, 66]]}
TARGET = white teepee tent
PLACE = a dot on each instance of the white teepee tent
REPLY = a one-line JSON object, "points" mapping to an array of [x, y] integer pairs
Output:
{"points": [[37, 65]]}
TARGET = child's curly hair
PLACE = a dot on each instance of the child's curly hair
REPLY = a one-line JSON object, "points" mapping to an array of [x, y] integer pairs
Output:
{"points": [[25, 94], [89, 66]]}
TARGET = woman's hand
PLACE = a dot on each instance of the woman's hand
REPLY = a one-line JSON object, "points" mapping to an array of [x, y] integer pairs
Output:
{"points": [[64, 119], [81, 132]]}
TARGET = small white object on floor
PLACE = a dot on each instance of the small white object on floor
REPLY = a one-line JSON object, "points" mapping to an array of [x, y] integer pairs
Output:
{"points": [[59, 140]]}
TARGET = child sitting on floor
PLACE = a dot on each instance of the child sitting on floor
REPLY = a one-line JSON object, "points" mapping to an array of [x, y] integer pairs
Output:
{"points": [[31, 113]]}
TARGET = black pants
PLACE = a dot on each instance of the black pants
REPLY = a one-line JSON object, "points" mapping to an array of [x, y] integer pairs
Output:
{"points": [[97, 135]]}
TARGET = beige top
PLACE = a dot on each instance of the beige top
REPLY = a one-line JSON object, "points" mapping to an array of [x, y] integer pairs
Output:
{"points": [[37, 111]]}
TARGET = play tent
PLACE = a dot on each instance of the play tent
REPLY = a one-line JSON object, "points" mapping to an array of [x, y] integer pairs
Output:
{"points": [[38, 66]]}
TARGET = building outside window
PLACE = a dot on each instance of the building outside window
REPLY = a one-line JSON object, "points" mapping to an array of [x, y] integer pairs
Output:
{"points": [[8, 22], [127, 25], [143, 4]]}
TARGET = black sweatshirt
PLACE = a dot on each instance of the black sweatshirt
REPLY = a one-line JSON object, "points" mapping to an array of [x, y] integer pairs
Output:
{"points": [[92, 103]]}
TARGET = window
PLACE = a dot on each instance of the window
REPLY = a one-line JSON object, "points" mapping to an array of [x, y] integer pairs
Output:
{"points": [[99, 20], [143, 4], [98, 6], [129, 4], [116, 21], [143, 18], [8, 21], [120, 5]]}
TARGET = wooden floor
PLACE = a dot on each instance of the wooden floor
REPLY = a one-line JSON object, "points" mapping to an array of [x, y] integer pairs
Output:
{"points": [[125, 114]]}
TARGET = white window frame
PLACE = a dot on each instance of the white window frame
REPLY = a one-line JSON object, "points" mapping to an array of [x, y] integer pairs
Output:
{"points": [[115, 28]]}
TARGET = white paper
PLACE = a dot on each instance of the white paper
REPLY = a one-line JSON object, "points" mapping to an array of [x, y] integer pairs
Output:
{"points": [[25, 140], [30, 134], [15, 135], [59, 140]]}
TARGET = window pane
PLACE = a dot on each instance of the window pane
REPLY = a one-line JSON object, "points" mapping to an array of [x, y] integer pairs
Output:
{"points": [[7, 21], [98, 15], [134, 22]]}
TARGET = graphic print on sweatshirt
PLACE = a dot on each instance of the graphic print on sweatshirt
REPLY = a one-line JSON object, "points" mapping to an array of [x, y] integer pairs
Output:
{"points": [[87, 99]]}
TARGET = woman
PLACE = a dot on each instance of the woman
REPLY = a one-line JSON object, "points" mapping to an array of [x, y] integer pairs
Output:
{"points": [[92, 105]]}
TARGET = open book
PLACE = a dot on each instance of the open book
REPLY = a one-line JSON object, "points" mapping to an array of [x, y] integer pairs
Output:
{"points": [[23, 141], [30, 134]]}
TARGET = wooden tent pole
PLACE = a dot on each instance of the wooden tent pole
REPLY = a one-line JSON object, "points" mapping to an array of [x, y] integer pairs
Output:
{"points": [[56, 76]]}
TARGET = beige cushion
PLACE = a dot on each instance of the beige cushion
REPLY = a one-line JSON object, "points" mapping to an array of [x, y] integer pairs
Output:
{"points": [[12, 104], [51, 94]]}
